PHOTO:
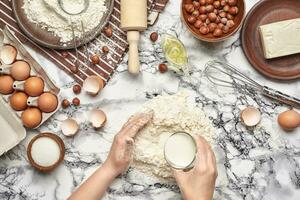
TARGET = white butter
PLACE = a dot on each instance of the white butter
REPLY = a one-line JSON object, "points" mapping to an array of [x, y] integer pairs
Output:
{"points": [[281, 38]]}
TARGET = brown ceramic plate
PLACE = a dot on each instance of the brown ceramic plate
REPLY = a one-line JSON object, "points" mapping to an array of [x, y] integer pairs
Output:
{"points": [[48, 39], [209, 37], [265, 12]]}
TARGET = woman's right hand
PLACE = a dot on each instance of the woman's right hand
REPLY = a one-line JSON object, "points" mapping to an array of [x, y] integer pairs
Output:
{"points": [[199, 182]]}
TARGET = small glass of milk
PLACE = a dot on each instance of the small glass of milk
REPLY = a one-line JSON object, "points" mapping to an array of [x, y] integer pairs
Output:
{"points": [[180, 150]]}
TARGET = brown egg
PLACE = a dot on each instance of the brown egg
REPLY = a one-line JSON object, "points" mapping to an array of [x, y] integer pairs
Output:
{"points": [[34, 86], [18, 101], [289, 120], [47, 102], [6, 84], [20, 70], [31, 117]]}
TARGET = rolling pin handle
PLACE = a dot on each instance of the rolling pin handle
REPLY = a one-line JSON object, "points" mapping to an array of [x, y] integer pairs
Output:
{"points": [[133, 38]]}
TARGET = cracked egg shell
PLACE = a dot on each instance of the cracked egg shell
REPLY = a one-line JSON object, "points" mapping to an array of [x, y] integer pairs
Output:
{"points": [[20, 70], [69, 127], [250, 116], [8, 54], [97, 118], [92, 85]]}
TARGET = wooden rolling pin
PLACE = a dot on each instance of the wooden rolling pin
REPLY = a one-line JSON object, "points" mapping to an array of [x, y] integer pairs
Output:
{"points": [[133, 20]]}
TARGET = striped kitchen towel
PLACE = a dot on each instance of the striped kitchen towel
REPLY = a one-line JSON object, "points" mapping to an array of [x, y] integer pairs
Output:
{"points": [[65, 60]]}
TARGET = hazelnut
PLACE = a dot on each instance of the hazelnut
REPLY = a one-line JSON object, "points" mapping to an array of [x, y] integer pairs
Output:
{"points": [[226, 8], [225, 29], [209, 8], [65, 103], [105, 49], [202, 17], [202, 10], [95, 59], [230, 23], [222, 14], [198, 24], [220, 25], [196, 4], [217, 32], [212, 17], [76, 101], [230, 16], [204, 30], [212, 27], [217, 4], [233, 10], [108, 31], [232, 2], [154, 36], [189, 8], [209, 1], [191, 19], [223, 2], [162, 68], [64, 54], [202, 2], [224, 21], [76, 89], [196, 13], [74, 69], [207, 21]]}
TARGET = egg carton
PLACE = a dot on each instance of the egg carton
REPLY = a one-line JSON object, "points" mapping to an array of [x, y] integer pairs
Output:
{"points": [[12, 125]]}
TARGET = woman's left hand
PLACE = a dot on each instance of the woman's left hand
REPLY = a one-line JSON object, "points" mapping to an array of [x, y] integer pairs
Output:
{"points": [[120, 153]]}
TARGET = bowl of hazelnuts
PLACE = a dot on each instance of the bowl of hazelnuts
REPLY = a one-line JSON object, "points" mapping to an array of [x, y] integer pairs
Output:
{"points": [[213, 20]]}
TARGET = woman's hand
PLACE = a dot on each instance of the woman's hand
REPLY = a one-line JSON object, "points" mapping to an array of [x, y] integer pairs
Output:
{"points": [[118, 160], [120, 153], [199, 182]]}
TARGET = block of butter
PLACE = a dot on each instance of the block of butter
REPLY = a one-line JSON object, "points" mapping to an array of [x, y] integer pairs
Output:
{"points": [[281, 38]]}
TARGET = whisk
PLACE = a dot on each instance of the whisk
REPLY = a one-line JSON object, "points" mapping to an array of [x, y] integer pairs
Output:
{"points": [[226, 75], [65, 8]]}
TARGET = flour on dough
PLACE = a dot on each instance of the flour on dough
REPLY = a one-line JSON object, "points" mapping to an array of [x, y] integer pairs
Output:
{"points": [[172, 113]]}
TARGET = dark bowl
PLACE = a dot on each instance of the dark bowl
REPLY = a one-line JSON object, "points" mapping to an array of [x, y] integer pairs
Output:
{"points": [[238, 20]]}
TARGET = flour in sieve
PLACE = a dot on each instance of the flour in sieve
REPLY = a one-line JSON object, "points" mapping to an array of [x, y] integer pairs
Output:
{"points": [[172, 113], [48, 15]]}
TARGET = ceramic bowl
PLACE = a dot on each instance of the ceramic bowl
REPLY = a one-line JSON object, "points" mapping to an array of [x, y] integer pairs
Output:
{"points": [[238, 20]]}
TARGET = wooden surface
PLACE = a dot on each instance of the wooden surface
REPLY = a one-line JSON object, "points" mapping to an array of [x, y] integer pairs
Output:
{"points": [[265, 12], [48, 39], [209, 37]]}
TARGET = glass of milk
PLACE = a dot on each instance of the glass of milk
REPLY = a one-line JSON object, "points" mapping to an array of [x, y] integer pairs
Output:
{"points": [[180, 150]]}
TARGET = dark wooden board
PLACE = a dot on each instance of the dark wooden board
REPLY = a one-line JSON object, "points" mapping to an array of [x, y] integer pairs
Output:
{"points": [[48, 39], [265, 12]]}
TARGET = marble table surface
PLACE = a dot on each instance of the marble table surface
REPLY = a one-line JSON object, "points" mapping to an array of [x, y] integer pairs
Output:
{"points": [[258, 163]]}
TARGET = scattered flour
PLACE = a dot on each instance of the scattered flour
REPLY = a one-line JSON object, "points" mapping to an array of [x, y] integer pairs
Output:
{"points": [[172, 113], [49, 15]]}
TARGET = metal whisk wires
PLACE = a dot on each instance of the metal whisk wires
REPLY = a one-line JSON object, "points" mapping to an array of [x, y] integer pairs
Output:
{"points": [[224, 74]]}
